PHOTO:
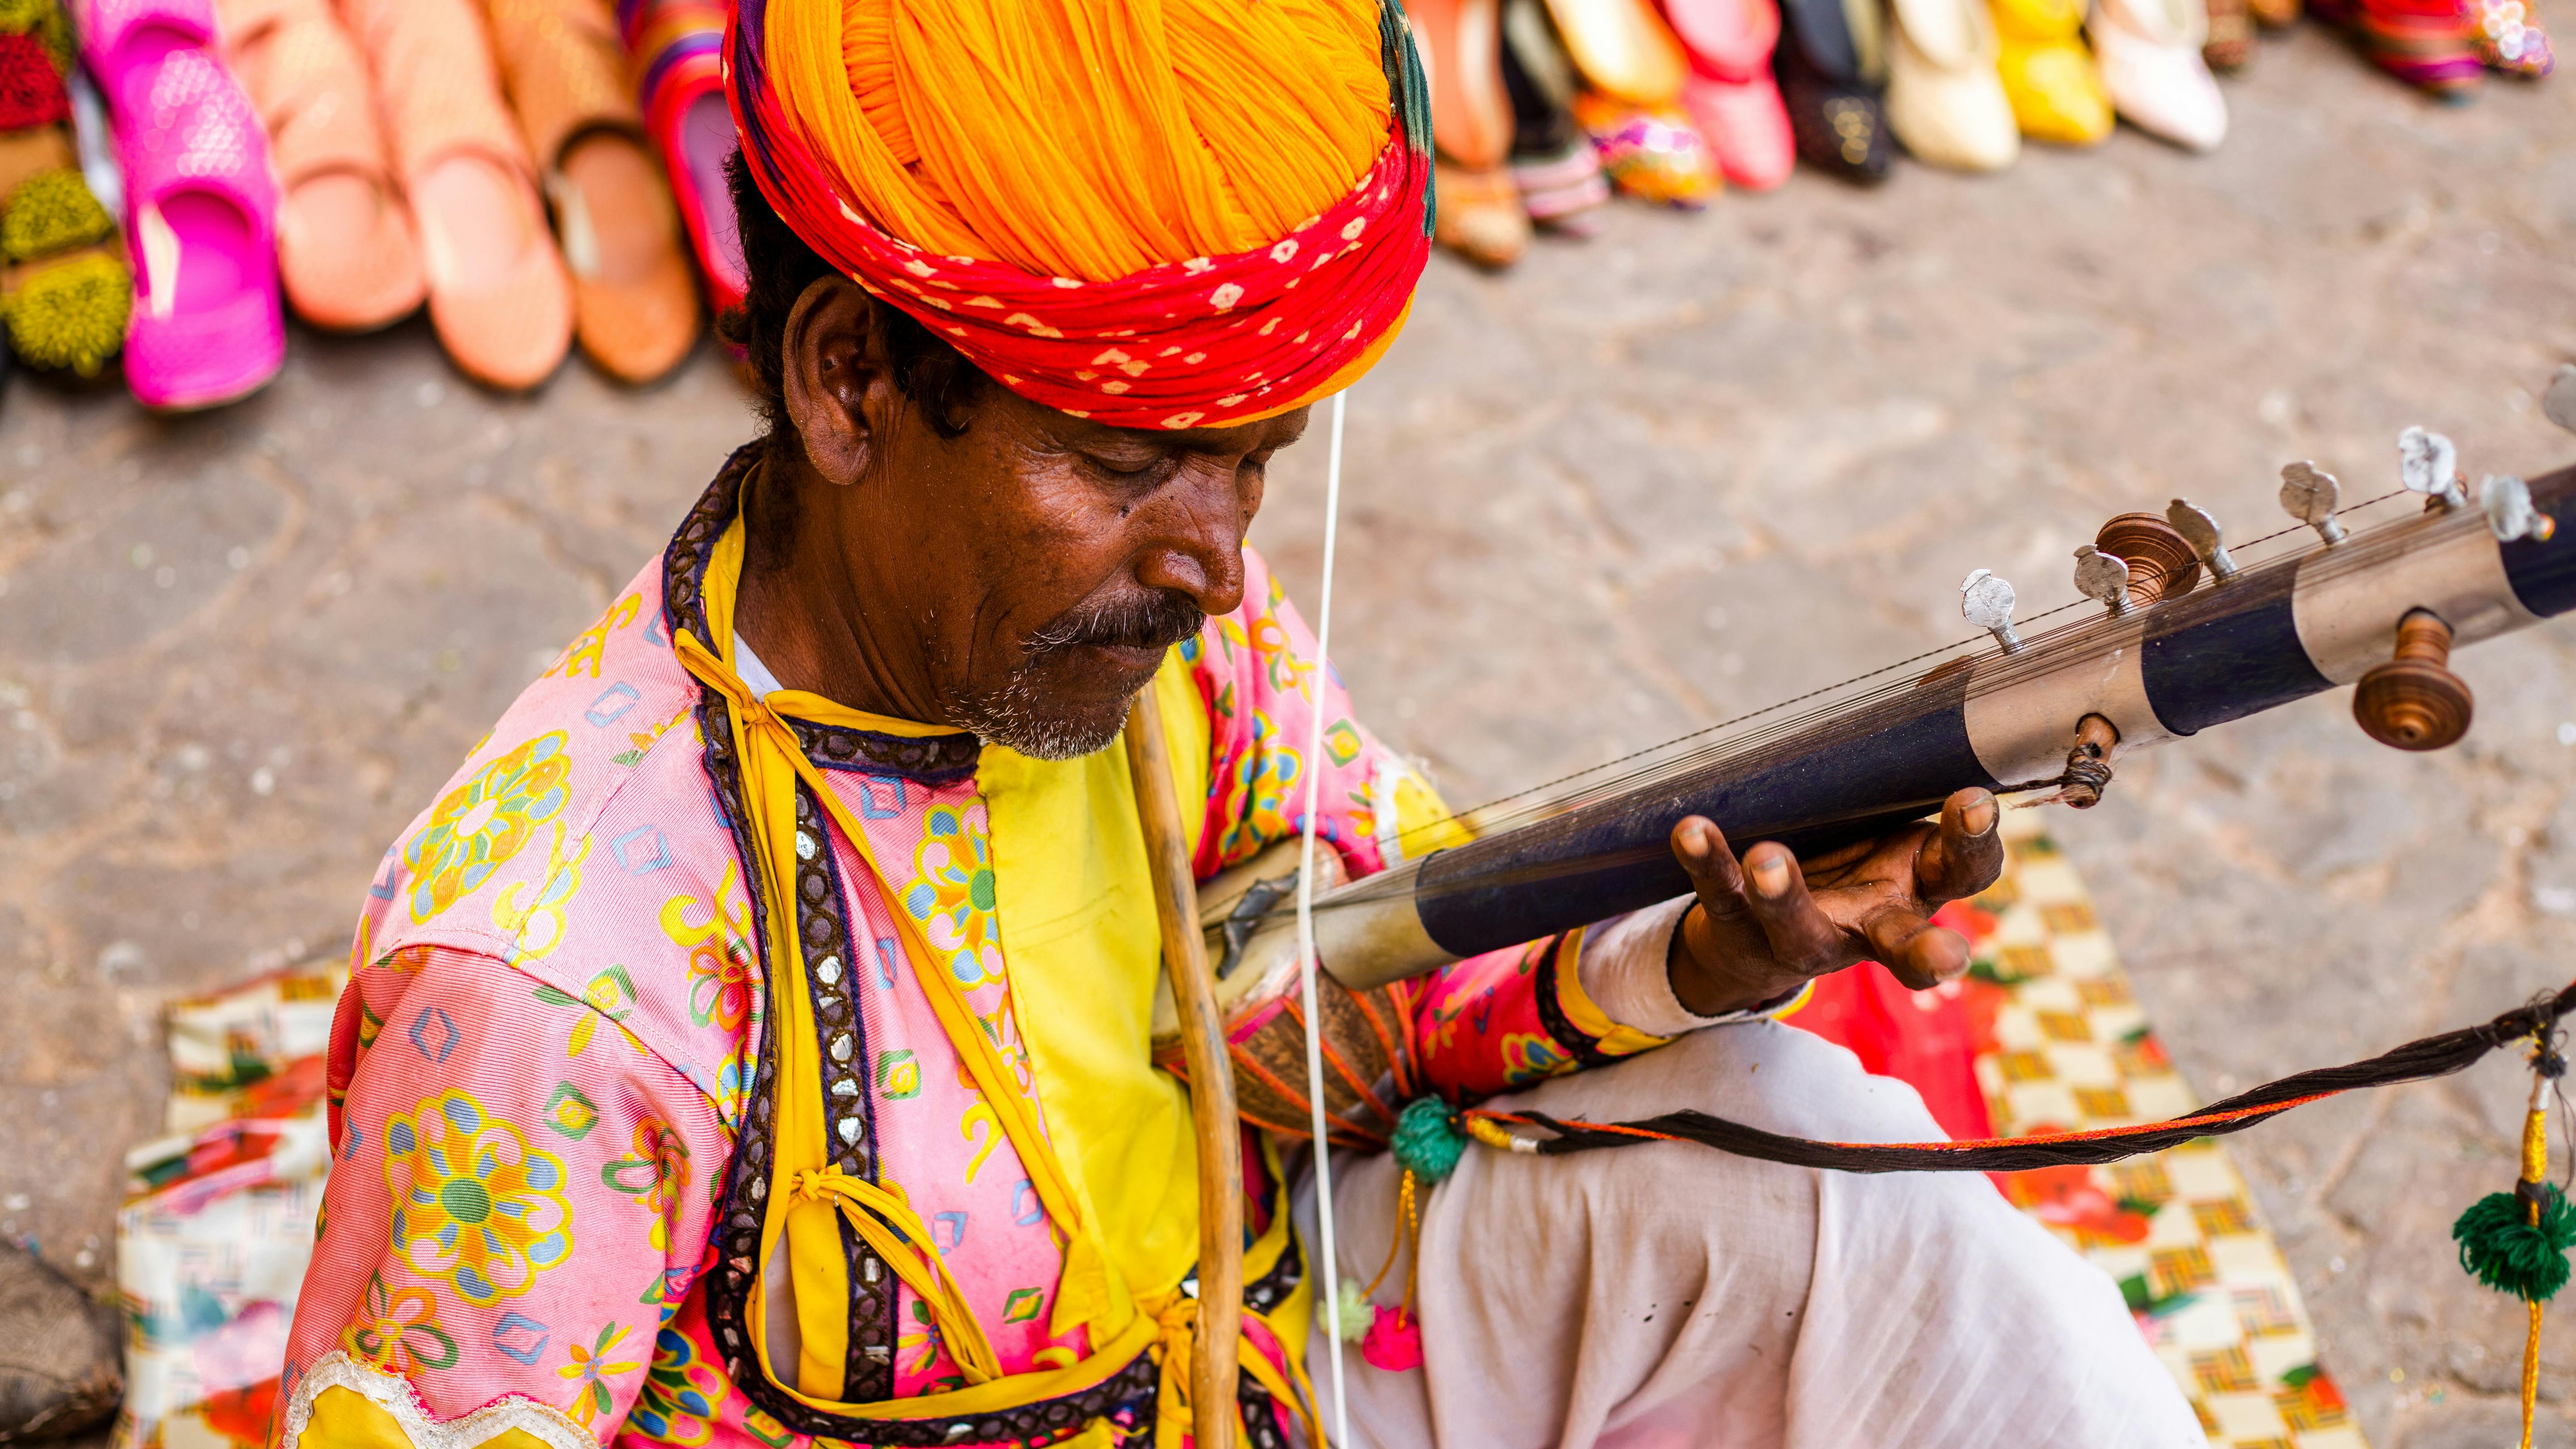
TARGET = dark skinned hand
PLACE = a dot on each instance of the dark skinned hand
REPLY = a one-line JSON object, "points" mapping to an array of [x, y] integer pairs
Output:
{"points": [[1767, 924]]}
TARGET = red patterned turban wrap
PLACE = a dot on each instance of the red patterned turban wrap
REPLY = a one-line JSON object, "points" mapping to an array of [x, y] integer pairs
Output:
{"points": [[1151, 213]]}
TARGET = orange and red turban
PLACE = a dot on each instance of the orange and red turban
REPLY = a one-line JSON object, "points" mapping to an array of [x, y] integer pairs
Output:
{"points": [[1153, 213]]}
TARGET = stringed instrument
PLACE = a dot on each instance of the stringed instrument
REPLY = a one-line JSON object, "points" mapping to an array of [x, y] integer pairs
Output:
{"points": [[2175, 634]]}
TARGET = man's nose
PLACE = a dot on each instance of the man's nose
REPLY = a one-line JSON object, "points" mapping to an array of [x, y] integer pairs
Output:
{"points": [[1195, 540]]}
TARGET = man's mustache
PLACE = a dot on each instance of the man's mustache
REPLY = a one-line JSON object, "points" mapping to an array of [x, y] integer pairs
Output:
{"points": [[1156, 620]]}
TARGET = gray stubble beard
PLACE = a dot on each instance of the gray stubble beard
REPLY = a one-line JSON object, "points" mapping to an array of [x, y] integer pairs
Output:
{"points": [[1017, 715]]}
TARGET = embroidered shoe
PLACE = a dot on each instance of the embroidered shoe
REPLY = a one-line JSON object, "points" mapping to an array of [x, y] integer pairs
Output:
{"points": [[1945, 92], [2507, 37], [2152, 66], [2050, 78], [1831, 63]]}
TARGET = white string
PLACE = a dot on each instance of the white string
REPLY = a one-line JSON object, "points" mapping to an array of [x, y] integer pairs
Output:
{"points": [[1306, 938]]}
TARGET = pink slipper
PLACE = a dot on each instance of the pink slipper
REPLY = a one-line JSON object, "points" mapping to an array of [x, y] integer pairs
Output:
{"points": [[201, 207], [1731, 96]]}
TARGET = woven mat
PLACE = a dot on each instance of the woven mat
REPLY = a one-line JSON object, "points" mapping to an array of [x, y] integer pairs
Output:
{"points": [[2070, 1048]]}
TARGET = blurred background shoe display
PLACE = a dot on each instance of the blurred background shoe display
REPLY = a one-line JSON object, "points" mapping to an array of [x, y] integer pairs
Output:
{"points": [[1478, 213], [65, 289], [498, 293], [2154, 70], [208, 323], [550, 173], [1832, 65], [346, 247], [1633, 74], [675, 49], [635, 304], [2049, 75], [1730, 93], [1945, 89], [1553, 163]]}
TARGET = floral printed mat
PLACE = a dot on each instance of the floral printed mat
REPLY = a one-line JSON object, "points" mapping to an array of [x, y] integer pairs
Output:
{"points": [[219, 1217]]}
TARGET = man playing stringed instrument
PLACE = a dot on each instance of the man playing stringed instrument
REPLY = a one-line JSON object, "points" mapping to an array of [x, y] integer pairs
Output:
{"points": [[751, 1042]]}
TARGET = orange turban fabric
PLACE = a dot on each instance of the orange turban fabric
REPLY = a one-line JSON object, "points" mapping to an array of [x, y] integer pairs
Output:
{"points": [[1156, 213]]}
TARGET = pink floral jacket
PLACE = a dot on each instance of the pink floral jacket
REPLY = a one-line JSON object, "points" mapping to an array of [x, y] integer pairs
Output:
{"points": [[549, 1054]]}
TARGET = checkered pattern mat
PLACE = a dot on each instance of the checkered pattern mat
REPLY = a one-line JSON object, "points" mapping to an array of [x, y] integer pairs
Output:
{"points": [[2178, 1230]]}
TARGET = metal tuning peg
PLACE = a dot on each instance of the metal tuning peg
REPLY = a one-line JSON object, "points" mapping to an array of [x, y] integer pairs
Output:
{"points": [[2102, 577], [2197, 525], [2414, 701], [2559, 403], [2427, 463], [1987, 601], [2310, 494], [2507, 502]]}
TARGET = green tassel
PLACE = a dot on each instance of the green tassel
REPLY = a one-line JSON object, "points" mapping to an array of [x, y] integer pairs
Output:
{"points": [[2500, 1247], [72, 314], [1427, 1140], [52, 211]]}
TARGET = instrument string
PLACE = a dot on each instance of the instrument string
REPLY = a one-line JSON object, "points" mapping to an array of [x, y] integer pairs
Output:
{"points": [[1327, 1246], [1844, 715]]}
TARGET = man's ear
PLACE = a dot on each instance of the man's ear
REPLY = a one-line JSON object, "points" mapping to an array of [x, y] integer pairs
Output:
{"points": [[831, 366]]}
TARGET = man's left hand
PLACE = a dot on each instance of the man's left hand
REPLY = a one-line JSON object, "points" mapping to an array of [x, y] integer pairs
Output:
{"points": [[1765, 925]]}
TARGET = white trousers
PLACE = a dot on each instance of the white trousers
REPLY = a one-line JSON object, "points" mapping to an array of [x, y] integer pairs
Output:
{"points": [[1670, 1295]]}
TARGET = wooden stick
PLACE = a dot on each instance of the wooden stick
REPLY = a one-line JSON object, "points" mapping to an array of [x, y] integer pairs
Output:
{"points": [[1213, 1358]]}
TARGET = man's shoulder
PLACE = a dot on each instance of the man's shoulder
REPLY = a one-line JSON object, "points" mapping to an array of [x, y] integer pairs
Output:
{"points": [[581, 844]]}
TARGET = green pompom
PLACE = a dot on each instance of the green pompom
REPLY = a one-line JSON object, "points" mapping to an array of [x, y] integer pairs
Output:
{"points": [[1427, 1138], [1356, 1314], [2500, 1247], [52, 211], [72, 314]]}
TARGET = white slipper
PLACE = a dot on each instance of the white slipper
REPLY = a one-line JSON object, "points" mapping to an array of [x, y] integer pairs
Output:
{"points": [[2151, 64], [1945, 99]]}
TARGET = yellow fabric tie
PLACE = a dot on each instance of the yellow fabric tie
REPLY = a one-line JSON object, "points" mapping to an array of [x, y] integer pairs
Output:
{"points": [[1133, 1190], [772, 761], [884, 1216], [1176, 1318]]}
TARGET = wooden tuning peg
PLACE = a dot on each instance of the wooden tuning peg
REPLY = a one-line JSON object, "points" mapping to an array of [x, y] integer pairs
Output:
{"points": [[2162, 563], [2414, 701]]}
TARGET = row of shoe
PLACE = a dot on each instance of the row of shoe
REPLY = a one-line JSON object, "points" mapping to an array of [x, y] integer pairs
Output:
{"points": [[512, 164], [2443, 47], [1541, 108]]}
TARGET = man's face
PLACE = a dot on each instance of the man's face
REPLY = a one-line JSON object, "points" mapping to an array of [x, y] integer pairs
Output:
{"points": [[1045, 563]]}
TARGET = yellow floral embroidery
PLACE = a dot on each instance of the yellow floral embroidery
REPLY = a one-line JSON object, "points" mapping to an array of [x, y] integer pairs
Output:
{"points": [[474, 1206], [397, 1330], [655, 1176], [591, 1368], [536, 924], [1528, 1057], [486, 821], [582, 655], [722, 969], [952, 895]]}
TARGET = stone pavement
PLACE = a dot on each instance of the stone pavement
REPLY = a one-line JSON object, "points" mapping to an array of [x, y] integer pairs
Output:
{"points": [[1624, 491]]}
